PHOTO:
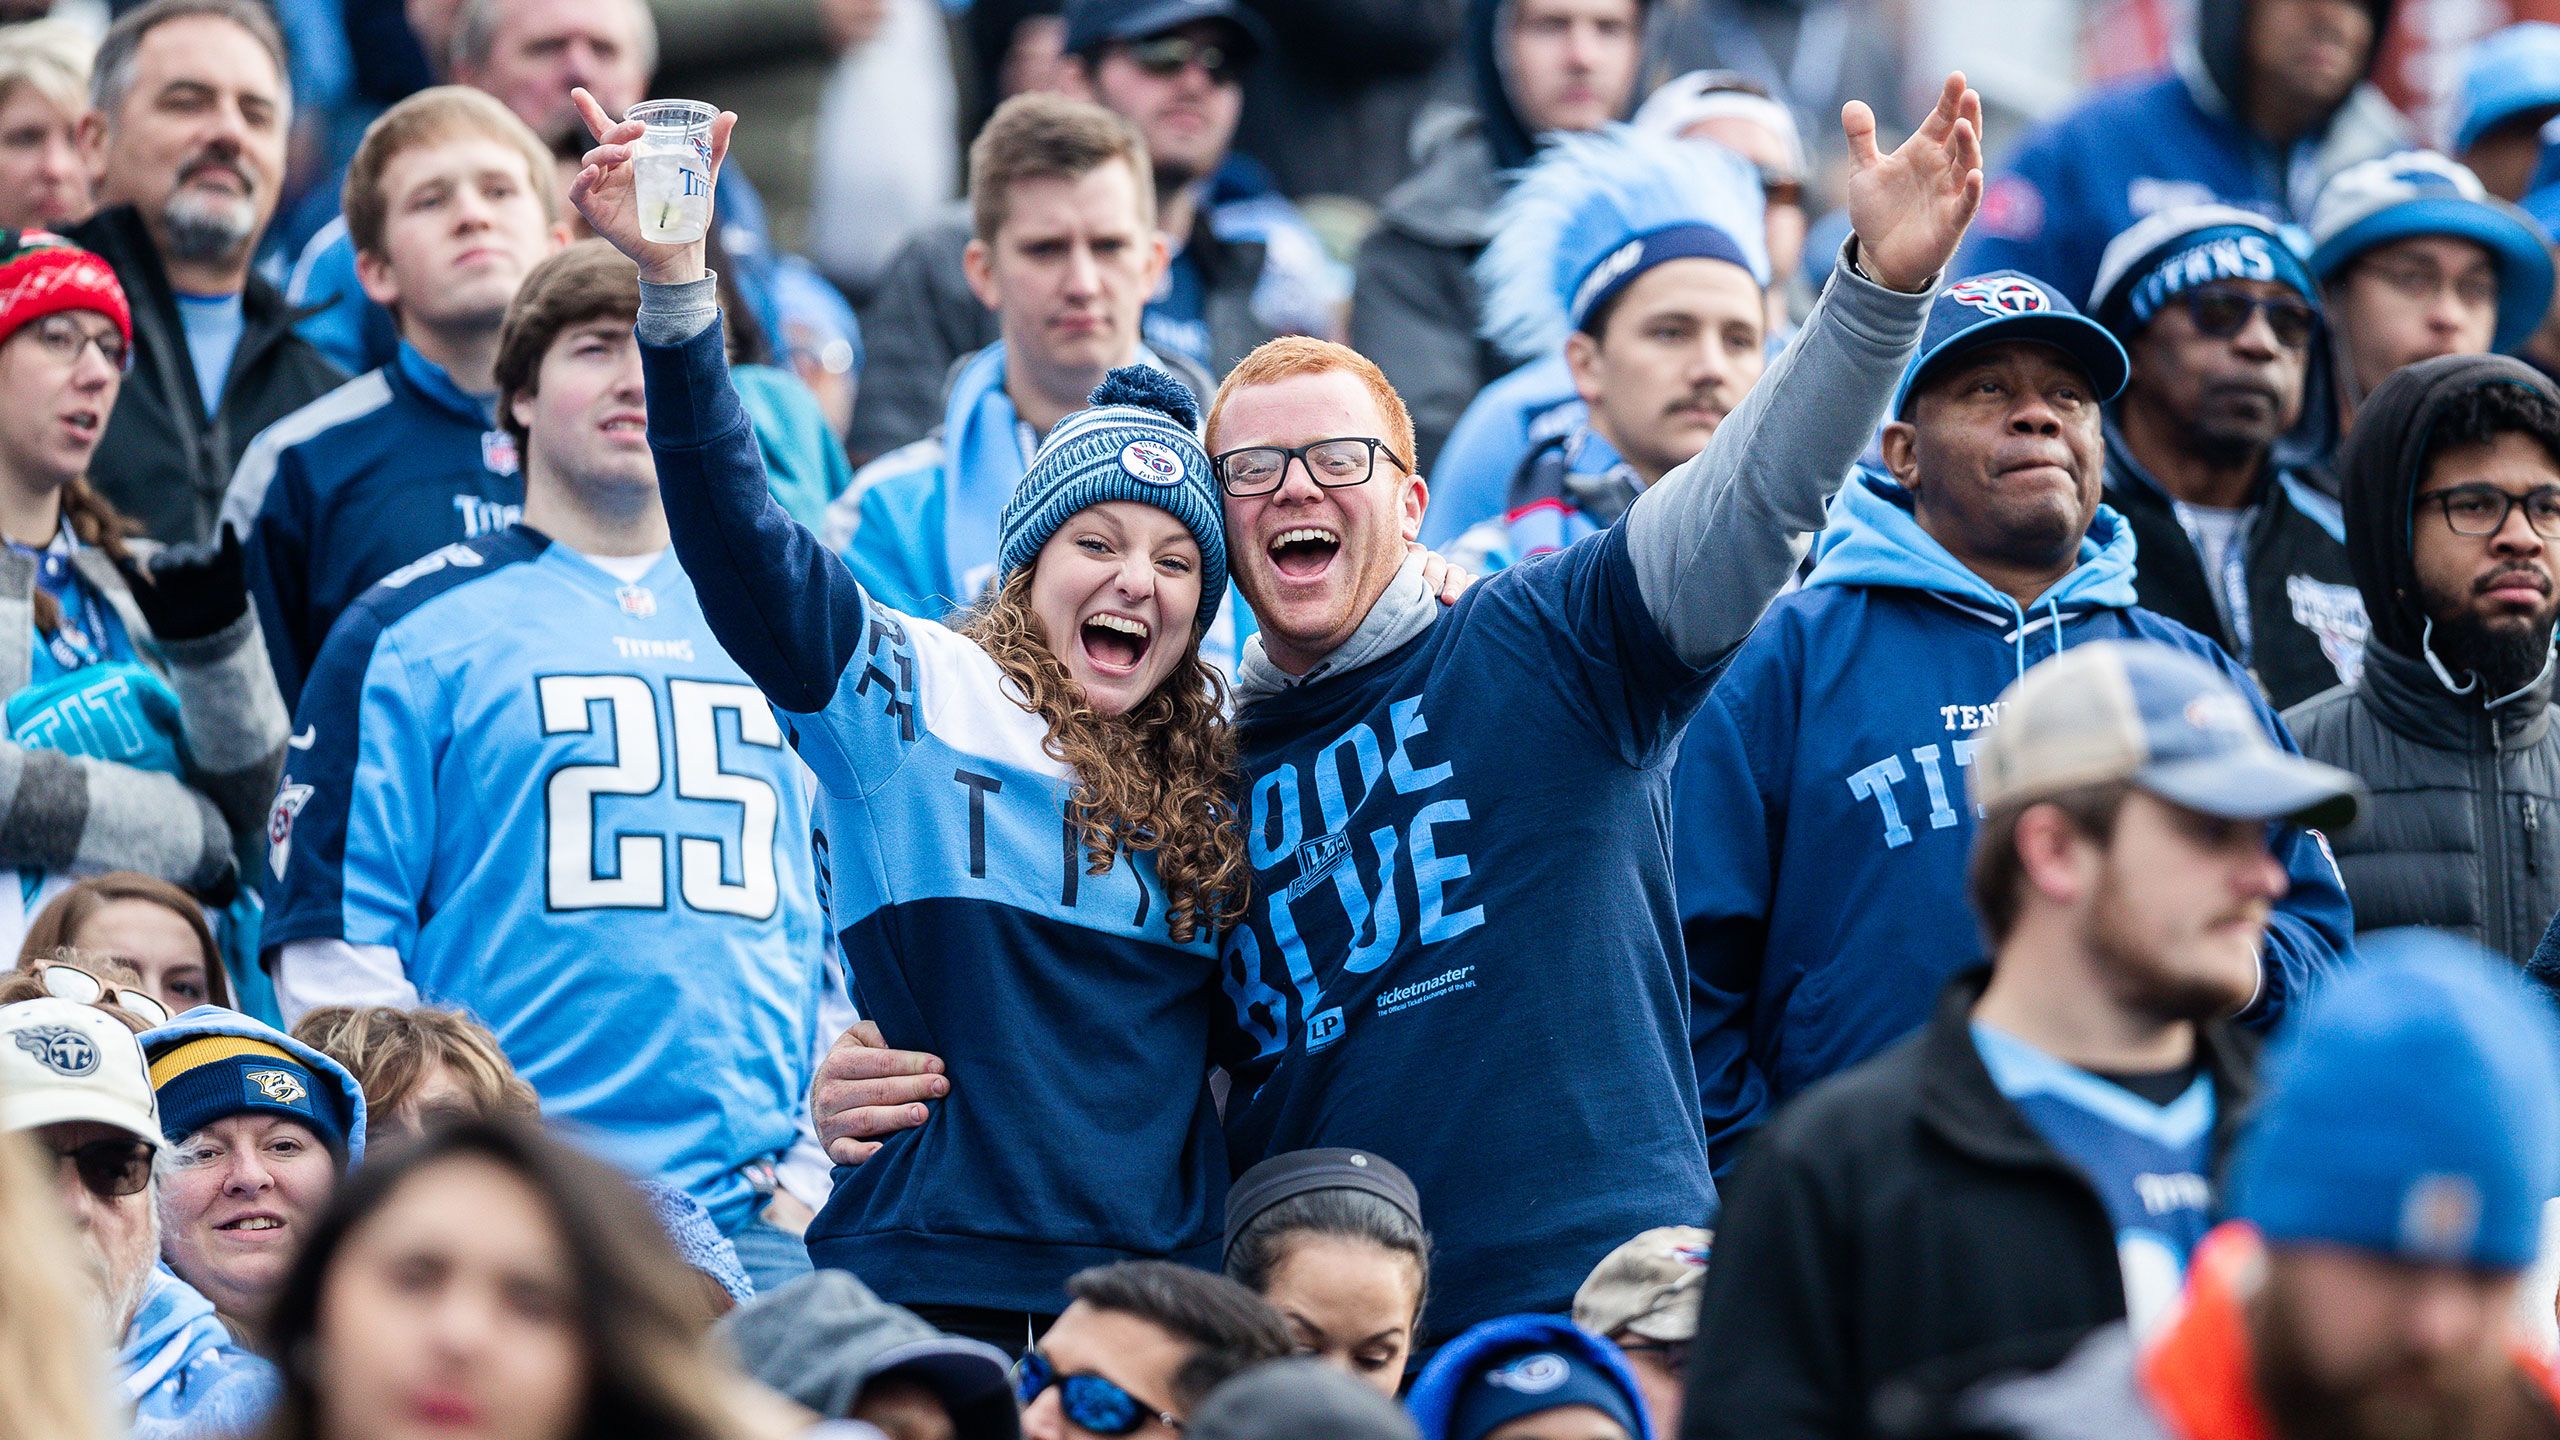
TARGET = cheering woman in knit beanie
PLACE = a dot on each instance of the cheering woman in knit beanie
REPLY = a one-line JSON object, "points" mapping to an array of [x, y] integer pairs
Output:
{"points": [[1024, 816], [143, 728]]}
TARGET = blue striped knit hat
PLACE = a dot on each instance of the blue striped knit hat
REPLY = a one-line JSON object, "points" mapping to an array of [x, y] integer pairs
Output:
{"points": [[1138, 441]]}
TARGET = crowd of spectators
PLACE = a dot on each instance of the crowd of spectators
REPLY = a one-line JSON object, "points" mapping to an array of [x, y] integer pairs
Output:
{"points": [[1258, 719]]}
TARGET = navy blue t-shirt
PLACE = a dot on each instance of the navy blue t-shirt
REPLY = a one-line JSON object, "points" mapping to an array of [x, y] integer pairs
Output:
{"points": [[1462, 951]]}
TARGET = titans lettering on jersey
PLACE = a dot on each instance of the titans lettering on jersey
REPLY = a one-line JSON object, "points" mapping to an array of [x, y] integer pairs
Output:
{"points": [[566, 809], [972, 928], [1462, 930]]}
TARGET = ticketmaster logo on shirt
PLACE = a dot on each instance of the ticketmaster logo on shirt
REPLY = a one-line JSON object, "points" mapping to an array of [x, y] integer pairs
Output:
{"points": [[1447, 982]]}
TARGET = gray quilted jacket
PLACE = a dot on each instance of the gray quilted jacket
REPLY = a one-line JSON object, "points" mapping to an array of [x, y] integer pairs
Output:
{"points": [[2463, 831]]}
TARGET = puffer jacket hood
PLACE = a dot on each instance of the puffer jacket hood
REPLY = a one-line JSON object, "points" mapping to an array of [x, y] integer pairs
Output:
{"points": [[2379, 469], [1435, 1393], [206, 1020], [2222, 40]]}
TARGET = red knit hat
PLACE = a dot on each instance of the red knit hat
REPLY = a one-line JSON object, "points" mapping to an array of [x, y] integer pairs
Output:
{"points": [[42, 273]]}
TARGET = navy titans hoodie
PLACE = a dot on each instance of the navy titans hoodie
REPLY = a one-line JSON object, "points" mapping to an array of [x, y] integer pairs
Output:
{"points": [[1821, 825]]}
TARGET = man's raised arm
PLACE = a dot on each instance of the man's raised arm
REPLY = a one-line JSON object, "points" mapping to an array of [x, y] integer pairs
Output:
{"points": [[1712, 541]]}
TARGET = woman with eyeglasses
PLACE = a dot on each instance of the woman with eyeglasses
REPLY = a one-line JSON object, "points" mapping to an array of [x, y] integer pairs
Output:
{"points": [[261, 1128], [490, 1280], [144, 922], [1026, 816], [143, 728]]}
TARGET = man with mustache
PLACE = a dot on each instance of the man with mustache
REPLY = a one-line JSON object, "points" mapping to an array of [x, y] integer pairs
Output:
{"points": [[1819, 814], [2452, 481], [2221, 321], [2037, 1161], [188, 141]]}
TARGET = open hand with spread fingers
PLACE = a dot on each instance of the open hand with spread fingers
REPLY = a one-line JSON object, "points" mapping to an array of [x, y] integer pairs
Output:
{"points": [[1910, 208], [606, 193]]}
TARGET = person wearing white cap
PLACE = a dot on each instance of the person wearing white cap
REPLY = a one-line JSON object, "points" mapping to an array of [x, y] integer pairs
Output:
{"points": [[1724, 108], [73, 1078], [2417, 260]]}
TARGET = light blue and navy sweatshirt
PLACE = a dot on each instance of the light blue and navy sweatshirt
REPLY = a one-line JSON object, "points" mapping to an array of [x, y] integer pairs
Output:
{"points": [[183, 1374], [1821, 812], [1079, 1129], [1462, 950]]}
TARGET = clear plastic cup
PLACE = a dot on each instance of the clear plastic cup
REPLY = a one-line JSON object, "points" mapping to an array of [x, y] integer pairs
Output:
{"points": [[671, 170]]}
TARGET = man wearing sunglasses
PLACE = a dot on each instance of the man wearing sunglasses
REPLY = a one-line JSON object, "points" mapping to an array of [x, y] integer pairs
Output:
{"points": [[2452, 495], [73, 1081], [2220, 319], [1142, 1344]]}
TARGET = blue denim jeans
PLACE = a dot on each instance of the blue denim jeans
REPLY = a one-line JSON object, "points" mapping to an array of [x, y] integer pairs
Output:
{"points": [[773, 1256]]}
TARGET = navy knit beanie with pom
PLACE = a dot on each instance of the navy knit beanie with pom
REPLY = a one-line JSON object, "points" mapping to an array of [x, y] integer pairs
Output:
{"points": [[1136, 441]]}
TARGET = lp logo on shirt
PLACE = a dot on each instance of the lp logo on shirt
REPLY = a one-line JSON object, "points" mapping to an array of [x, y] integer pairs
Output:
{"points": [[1333, 896]]}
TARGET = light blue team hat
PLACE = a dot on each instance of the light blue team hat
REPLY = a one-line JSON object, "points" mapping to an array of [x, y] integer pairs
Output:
{"points": [[2509, 72], [1598, 209], [2419, 192]]}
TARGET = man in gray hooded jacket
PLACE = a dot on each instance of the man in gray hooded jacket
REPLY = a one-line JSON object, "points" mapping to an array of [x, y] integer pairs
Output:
{"points": [[2452, 497]]}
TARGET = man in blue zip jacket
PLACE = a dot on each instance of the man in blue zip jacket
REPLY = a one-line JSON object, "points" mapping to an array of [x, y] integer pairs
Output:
{"points": [[2267, 100], [1819, 812]]}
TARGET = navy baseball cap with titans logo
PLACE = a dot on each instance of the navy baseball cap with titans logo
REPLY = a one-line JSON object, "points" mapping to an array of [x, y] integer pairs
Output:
{"points": [[2001, 307]]}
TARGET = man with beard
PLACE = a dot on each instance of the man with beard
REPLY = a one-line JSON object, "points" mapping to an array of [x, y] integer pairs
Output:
{"points": [[2220, 320], [2452, 480], [73, 1080], [2384, 1206], [1819, 816], [188, 141], [1175, 72], [2034, 1163]]}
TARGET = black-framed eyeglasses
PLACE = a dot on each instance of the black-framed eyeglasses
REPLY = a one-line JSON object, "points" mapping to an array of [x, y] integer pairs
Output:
{"points": [[1089, 1401], [1164, 57], [1342, 461], [111, 1169], [2225, 313], [61, 337], [2481, 510], [70, 982]]}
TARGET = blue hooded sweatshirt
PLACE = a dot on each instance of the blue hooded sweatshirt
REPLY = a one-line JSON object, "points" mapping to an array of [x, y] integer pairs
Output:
{"points": [[1821, 827], [1443, 1382], [183, 1374], [206, 1020]]}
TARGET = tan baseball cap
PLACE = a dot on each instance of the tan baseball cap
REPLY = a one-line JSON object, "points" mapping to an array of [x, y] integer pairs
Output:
{"points": [[61, 1061], [1649, 1285]]}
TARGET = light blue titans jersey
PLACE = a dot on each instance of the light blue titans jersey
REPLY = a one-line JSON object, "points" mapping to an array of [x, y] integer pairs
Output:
{"points": [[565, 807]]}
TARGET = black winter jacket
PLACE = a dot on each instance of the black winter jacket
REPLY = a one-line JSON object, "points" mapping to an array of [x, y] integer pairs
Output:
{"points": [[1901, 1232], [2306, 617], [162, 461], [2463, 831]]}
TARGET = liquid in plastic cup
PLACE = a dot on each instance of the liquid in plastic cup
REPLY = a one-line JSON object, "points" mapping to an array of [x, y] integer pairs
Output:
{"points": [[671, 170]]}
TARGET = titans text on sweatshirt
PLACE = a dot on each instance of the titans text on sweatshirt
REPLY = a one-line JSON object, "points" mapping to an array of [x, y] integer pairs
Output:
{"points": [[1823, 826]]}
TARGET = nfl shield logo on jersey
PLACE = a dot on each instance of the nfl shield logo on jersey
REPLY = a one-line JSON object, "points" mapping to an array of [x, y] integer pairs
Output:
{"points": [[289, 802], [636, 601]]}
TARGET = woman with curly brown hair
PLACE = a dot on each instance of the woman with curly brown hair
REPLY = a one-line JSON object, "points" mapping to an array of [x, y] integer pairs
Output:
{"points": [[1025, 817]]}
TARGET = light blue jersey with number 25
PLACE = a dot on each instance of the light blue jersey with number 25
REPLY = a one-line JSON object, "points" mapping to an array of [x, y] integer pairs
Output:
{"points": [[567, 810]]}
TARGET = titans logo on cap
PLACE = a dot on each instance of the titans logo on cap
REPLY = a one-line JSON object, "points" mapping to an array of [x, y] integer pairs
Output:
{"points": [[281, 1086], [59, 1048], [2001, 295], [1531, 1374], [1152, 462]]}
